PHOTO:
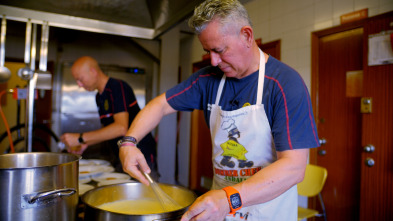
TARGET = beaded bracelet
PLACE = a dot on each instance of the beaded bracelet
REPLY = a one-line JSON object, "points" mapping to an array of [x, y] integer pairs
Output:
{"points": [[128, 144]]}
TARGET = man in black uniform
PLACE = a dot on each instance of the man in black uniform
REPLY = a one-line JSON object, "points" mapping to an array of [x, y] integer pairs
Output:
{"points": [[117, 107]]}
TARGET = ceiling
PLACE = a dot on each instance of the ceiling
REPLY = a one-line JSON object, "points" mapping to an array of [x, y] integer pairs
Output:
{"points": [[135, 18]]}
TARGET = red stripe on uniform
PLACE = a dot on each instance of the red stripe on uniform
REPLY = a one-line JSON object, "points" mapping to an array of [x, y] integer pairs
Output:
{"points": [[123, 95], [132, 104], [187, 88], [105, 116], [286, 109]]}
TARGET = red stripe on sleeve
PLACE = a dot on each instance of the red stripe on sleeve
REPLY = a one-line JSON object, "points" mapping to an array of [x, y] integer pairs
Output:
{"points": [[123, 96], [187, 88], [286, 109], [105, 116], [132, 104], [310, 116]]}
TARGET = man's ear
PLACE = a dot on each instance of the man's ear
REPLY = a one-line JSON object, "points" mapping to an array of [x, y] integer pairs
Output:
{"points": [[247, 33], [93, 71]]}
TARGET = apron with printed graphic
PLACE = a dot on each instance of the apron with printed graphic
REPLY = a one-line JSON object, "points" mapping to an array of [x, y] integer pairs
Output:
{"points": [[242, 146]]}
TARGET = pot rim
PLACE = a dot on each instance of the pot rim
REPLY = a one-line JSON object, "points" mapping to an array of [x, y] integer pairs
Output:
{"points": [[85, 195], [75, 157]]}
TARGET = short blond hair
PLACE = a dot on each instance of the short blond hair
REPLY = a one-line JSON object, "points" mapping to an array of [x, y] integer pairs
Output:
{"points": [[225, 11]]}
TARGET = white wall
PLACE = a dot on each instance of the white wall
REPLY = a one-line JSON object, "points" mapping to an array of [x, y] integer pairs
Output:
{"points": [[293, 21]]}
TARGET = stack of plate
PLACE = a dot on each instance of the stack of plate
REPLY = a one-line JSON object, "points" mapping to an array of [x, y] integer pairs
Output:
{"points": [[112, 178], [89, 168], [94, 162], [93, 168]]}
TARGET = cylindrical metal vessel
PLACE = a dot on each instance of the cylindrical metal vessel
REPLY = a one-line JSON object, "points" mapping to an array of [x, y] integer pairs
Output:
{"points": [[138, 191], [38, 186]]}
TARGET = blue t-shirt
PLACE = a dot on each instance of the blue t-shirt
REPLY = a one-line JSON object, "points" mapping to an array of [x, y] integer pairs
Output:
{"points": [[285, 97]]}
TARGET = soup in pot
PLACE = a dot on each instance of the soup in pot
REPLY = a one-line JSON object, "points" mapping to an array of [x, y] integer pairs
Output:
{"points": [[134, 207]]}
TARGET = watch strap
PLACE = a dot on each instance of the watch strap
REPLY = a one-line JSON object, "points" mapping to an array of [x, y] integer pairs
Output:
{"points": [[234, 199], [80, 139]]}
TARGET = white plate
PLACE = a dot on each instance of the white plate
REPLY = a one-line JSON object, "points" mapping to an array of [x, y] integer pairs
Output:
{"points": [[83, 162], [94, 162], [84, 179], [109, 182], [83, 188], [92, 171], [111, 176]]}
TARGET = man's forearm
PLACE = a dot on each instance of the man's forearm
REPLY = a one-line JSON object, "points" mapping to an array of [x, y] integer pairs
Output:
{"points": [[149, 117], [275, 179]]}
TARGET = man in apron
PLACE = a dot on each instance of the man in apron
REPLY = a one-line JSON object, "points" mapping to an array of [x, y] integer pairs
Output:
{"points": [[259, 114]]}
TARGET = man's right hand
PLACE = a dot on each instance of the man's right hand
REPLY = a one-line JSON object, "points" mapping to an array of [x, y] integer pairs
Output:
{"points": [[134, 162], [72, 143], [78, 149]]}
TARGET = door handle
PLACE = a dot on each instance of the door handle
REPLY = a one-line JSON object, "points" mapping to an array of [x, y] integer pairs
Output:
{"points": [[322, 141], [322, 152], [369, 148], [369, 162]]}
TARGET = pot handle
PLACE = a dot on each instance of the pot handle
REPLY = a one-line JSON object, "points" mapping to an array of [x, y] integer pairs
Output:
{"points": [[51, 194]]}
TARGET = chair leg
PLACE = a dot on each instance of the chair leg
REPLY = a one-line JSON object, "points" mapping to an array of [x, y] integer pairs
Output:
{"points": [[323, 206]]}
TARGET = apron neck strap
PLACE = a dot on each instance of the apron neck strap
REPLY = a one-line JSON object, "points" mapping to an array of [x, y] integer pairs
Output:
{"points": [[261, 78], [219, 91]]}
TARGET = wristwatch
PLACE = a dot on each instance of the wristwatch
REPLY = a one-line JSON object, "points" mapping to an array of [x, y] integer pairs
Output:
{"points": [[127, 139], [80, 139], [234, 199]]}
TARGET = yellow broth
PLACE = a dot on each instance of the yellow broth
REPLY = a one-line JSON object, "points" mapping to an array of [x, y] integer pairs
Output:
{"points": [[134, 206]]}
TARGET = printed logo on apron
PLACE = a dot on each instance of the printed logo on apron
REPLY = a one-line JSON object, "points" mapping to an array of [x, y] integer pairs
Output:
{"points": [[106, 105]]}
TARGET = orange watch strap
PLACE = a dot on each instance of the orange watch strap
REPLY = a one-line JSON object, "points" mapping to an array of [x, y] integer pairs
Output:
{"points": [[230, 191]]}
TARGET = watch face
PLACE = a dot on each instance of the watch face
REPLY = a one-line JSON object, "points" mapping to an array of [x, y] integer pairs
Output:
{"points": [[236, 201]]}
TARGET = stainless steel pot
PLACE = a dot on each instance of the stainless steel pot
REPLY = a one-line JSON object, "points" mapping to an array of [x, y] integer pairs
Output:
{"points": [[118, 192], [38, 186]]}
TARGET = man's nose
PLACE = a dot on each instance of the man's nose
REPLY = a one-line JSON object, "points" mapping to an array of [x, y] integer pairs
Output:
{"points": [[214, 59]]}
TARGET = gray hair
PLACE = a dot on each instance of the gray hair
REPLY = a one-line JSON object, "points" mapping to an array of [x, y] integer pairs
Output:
{"points": [[226, 11]]}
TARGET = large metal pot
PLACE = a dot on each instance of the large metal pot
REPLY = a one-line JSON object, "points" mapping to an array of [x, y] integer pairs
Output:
{"points": [[38, 186], [119, 192]]}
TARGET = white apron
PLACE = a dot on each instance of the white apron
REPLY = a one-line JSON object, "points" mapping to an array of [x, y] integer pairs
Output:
{"points": [[243, 145]]}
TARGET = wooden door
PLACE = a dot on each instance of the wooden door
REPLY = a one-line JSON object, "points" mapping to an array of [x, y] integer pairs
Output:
{"points": [[376, 201], [353, 190], [272, 48], [339, 122]]}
